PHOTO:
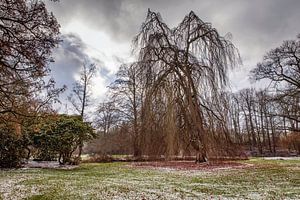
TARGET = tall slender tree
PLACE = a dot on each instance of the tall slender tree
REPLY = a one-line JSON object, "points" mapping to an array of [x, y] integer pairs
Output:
{"points": [[81, 92]]}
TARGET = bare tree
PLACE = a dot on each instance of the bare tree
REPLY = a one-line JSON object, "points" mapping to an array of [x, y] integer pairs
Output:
{"points": [[107, 117], [281, 65], [127, 94], [80, 96]]}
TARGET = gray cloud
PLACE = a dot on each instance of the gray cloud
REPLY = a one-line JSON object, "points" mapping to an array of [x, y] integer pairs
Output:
{"points": [[256, 25], [122, 18], [69, 57]]}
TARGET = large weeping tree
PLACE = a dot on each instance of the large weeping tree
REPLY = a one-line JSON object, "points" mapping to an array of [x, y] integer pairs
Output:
{"points": [[183, 68]]}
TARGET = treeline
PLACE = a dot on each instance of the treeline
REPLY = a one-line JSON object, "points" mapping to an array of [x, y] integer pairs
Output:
{"points": [[256, 122], [263, 121]]}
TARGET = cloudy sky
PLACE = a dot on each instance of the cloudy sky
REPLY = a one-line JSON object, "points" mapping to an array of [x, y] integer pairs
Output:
{"points": [[102, 31]]}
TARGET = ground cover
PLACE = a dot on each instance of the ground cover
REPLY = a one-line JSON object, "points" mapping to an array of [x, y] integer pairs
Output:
{"points": [[250, 179]]}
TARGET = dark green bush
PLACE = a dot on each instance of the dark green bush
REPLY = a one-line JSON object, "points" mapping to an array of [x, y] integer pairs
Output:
{"points": [[59, 137], [12, 148]]}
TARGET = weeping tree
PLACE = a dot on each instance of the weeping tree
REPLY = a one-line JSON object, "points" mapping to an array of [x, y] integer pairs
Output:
{"points": [[182, 70]]}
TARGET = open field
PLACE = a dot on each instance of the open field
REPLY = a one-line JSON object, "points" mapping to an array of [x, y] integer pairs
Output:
{"points": [[251, 179]]}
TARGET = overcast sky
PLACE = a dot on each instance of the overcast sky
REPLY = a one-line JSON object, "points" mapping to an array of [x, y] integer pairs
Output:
{"points": [[102, 31]]}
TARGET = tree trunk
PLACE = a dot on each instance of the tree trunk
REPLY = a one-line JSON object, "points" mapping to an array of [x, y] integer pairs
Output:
{"points": [[201, 156], [136, 148], [273, 135], [80, 150]]}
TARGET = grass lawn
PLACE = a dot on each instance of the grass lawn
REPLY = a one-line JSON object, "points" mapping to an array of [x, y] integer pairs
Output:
{"points": [[261, 179]]}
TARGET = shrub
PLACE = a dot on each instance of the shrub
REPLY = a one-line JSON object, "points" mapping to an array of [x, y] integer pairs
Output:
{"points": [[12, 147], [60, 136]]}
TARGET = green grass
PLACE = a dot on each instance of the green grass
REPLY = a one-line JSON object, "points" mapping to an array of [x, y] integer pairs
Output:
{"points": [[267, 179]]}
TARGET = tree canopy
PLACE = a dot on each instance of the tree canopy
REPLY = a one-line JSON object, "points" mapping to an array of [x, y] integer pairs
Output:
{"points": [[282, 66], [28, 33]]}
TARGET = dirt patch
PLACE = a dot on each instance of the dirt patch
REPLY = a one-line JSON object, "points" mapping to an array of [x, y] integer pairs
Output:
{"points": [[191, 165]]}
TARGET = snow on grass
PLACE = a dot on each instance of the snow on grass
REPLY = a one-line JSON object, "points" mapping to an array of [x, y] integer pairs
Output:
{"points": [[261, 179], [281, 158]]}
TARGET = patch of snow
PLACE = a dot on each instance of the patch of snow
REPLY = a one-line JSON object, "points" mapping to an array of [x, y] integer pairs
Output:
{"points": [[48, 165], [281, 158]]}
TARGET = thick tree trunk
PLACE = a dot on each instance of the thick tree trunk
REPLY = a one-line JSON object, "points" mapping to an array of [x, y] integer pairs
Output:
{"points": [[201, 156]]}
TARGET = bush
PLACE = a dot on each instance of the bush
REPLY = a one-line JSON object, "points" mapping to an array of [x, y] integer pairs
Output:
{"points": [[59, 137], [12, 148]]}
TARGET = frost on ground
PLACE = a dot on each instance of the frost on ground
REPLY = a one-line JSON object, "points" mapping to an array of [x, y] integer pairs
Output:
{"points": [[191, 165], [12, 189], [281, 158], [253, 179]]}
